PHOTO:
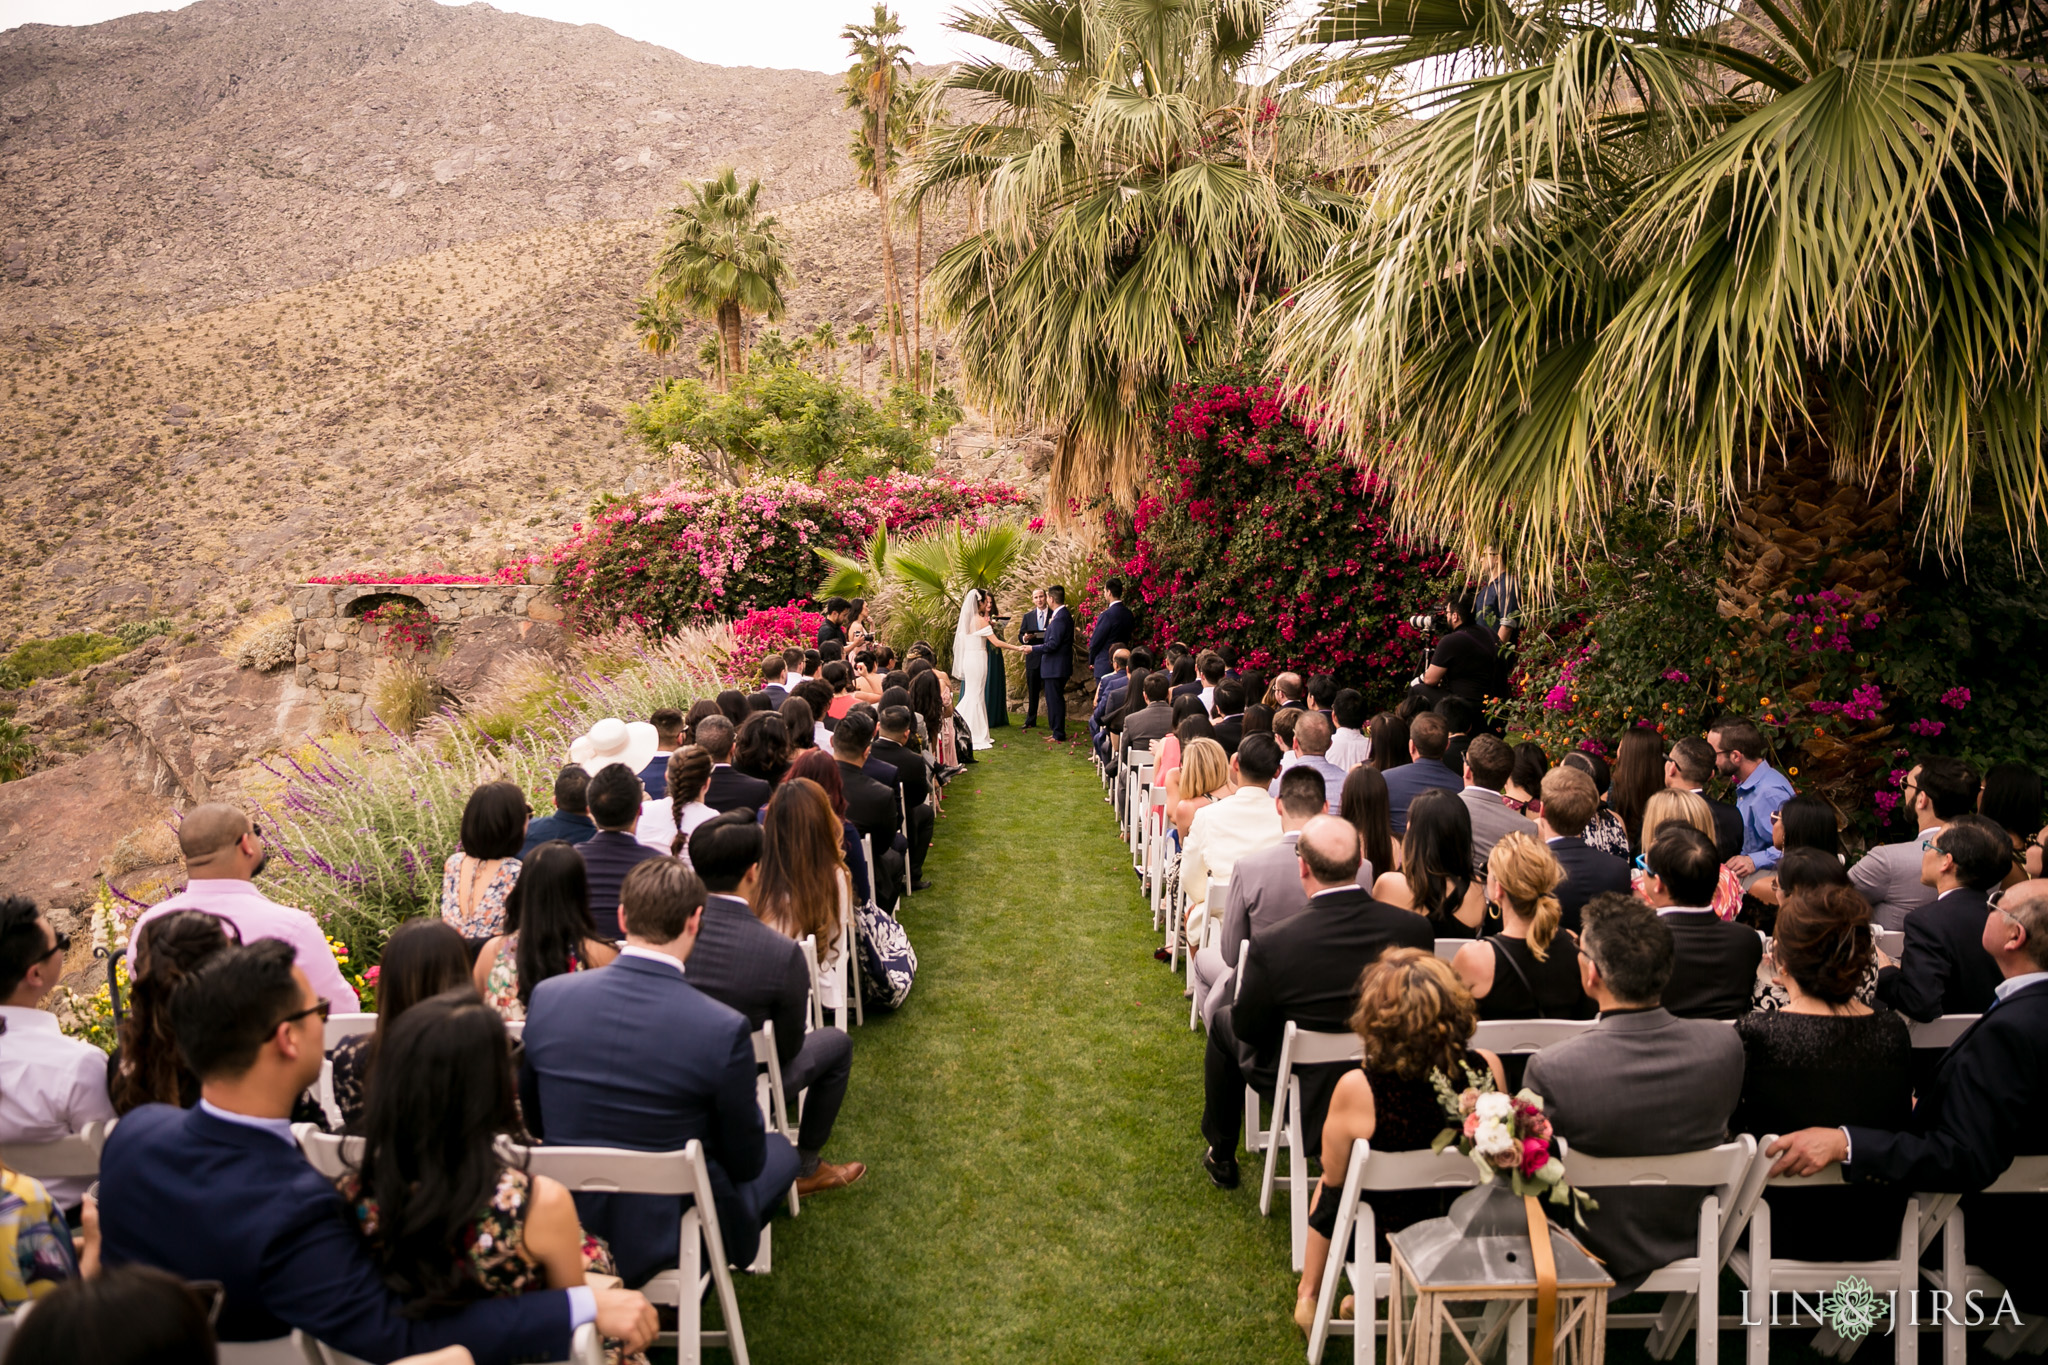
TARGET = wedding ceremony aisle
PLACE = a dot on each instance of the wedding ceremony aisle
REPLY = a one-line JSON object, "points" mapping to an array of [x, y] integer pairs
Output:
{"points": [[1034, 1190]]}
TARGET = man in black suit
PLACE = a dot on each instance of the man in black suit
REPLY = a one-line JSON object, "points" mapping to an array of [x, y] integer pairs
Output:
{"points": [[571, 821], [1229, 712], [1715, 959], [1945, 969], [914, 778], [1569, 800], [871, 805], [729, 789], [1305, 969], [1687, 769], [742, 963], [612, 853], [1987, 1105], [1055, 655], [1030, 631], [1112, 628]]}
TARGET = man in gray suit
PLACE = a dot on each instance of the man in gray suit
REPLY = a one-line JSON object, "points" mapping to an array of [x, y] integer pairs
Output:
{"points": [[1488, 762], [1640, 1082], [1155, 721], [1312, 734], [1265, 889], [1939, 790]]}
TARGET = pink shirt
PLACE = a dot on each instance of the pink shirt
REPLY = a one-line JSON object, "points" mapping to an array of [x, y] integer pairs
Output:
{"points": [[255, 916]]}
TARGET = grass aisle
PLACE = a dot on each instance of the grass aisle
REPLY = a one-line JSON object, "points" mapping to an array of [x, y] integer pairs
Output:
{"points": [[1029, 1120]]}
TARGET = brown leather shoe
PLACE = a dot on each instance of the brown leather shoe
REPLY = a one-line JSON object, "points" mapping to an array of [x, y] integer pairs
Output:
{"points": [[830, 1177]]}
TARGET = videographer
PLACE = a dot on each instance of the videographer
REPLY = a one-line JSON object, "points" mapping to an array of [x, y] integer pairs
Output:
{"points": [[1465, 662]]}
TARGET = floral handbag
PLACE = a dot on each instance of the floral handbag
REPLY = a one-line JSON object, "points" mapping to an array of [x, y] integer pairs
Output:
{"points": [[888, 964]]}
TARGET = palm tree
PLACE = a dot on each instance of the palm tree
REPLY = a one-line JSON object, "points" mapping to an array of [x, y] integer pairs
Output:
{"points": [[860, 336], [659, 323], [723, 261], [923, 112], [1144, 188], [1788, 265], [929, 576], [851, 577], [824, 340], [870, 85]]}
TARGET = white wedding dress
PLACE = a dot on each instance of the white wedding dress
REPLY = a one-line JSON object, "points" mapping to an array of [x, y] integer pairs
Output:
{"points": [[970, 666]]}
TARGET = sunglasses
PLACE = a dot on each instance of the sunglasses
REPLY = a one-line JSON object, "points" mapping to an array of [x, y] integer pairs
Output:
{"points": [[319, 1007], [62, 945], [1642, 862]]}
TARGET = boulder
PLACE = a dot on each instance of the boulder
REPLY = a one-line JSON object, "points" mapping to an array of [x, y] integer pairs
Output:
{"points": [[58, 826], [481, 645], [206, 717]]}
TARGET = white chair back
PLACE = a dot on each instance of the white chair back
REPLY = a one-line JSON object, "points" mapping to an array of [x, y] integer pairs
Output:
{"points": [[331, 1154], [1525, 1035], [1940, 1033], [75, 1156], [585, 1348], [340, 1026], [1299, 1047], [1447, 948], [769, 1095], [515, 1030], [1892, 942], [809, 943], [296, 1349]]}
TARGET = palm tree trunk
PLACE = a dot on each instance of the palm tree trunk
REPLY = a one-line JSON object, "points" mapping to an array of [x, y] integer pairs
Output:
{"points": [[729, 329], [892, 309], [917, 307], [1798, 530]]}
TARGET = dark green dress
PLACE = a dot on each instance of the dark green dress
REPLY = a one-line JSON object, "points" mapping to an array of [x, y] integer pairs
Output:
{"points": [[997, 691]]}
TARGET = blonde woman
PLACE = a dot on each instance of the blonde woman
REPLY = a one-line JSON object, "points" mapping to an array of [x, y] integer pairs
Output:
{"points": [[1669, 807], [1202, 778], [1528, 970]]}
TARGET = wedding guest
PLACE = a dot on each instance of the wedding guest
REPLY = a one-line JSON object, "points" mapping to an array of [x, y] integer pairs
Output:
{"points": [[1638, 771], [818, 694], [1528, 970], [1987, 1103], [1759, 789], [1488, 764], [128, 1315], [1311, 749], [774, 673], [249, 1024], [1224, 831], [2011, 799], [1826, 1058], [1113, 626], [147, 1068], [699, 709], [1214, 670], [422, 958], [685, 1070], [1946, 969], [1807, 871], [927, 700], [1265, 890], [729, 789], [874, 808], [1258, 720], [1936, 791], [1805, 821], [1461, 720], [668, 731], [1639, 1082], [1436, 878], [1166, 753], [799, 889], [612, 852], [548, 930], [1229, 713], [821, 768], [224, 854], [1668, 807], [1687, 769], [1387, 740], [1307, 970], [1363, 802], [1109, 693], [50, 1086], [839, 677], [732, 704], [1714, 961], [761, 748], [1349, 746], [1187, 680], [800, 725], [571, 821], [480, 873], [661, 822], [746, 963], [1523, 791], [1425, 769], [1154, 720], [1414, 1020], [894, 745], [446, 1218], [1569, 802], [1604, 831]]}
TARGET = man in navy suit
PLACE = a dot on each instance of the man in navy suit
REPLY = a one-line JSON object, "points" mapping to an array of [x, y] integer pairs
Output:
{"points": [[1987, 1105], [634, 1056], [1945, 969], [1055, 655], [1428, 737], [221, 1192], [1112, 628], [1569, 800]]}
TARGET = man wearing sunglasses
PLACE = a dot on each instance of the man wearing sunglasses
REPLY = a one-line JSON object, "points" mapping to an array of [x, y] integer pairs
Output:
{"points": [[50, 1085], [224, 854], [221, 1192]]}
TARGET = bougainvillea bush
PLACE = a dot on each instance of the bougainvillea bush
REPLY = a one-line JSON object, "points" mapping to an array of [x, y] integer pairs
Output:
{"points": [[1253, 535], [664, 558], [1849, 700]]}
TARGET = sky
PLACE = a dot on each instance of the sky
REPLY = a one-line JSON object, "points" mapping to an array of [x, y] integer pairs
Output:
{"points": [[783, 33]]}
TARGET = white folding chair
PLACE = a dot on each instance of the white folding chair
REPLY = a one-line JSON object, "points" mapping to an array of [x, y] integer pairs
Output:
{"points": [[809, 943], [585, 1348], [338, 1028], [1727, 1174], [1211, 930], [903, 813], [867, 852], [75, 1156], [608, 1170], [1940, 1033], [1378, 1172], [839, 979], [515, 1031], [1298, 1047], [1525, 1035], [1447, 948], [1957, 1277], [296, 1349], [1892, 942], [768, 1093]]}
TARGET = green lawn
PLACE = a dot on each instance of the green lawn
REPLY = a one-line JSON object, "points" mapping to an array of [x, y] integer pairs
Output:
{"points": [[1029, 1120]]}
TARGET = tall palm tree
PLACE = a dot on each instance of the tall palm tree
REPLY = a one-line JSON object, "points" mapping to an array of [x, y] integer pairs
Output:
{"points": [[923, 112], [1145, 186], [659, 323], [860, 336], [1788, 263], [880, 65], [723, 260]]}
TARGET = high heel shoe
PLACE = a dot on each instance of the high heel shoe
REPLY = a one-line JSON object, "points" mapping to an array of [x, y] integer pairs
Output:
{"points": [[1305, 1313]]}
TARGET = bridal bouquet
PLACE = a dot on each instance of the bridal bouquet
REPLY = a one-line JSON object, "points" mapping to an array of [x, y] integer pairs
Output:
{"points": [[1504, 1134]]}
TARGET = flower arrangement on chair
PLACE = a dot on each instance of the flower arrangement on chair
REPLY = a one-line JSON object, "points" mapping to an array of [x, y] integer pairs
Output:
{"points": [[1505, 1134]]}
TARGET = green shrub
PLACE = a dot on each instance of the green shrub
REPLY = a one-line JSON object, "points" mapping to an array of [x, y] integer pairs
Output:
{"points": [[65, 654]]}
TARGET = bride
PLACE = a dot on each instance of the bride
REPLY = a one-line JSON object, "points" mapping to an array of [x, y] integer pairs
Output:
{"points": [[970, 663]]}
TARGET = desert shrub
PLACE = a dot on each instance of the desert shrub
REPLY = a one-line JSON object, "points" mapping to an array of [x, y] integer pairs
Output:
{"points": [[133, 633], [401, 693], [264, 642], [64, 654], [17, 751]]}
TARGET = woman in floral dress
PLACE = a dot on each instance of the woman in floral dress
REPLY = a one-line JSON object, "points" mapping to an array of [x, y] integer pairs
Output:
{"points": [[547, 930], [480, 874], [486, 1229]]}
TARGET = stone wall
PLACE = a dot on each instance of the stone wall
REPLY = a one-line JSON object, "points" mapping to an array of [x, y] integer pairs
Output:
{"points": [[474, 623]]}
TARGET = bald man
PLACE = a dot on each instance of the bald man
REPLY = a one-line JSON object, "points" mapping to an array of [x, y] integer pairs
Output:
{"points": [[224, 851], [1306, 969]]}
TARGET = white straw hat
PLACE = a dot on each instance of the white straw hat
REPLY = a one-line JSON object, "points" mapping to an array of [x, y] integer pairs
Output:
{"points": [[611, 740]]}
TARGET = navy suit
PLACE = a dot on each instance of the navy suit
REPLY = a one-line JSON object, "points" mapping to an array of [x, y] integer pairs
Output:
{"points": [[1055, 655], [1587, 873], [1411, 780], [1109, 694], [608, 856], [206, 1199], [1112, 628], [634, 1056], [571, 826], [654, 777], [1943, 968]]}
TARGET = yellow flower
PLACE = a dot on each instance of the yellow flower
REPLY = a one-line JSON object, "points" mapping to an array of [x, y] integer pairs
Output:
{"points": [[1794, 772]]}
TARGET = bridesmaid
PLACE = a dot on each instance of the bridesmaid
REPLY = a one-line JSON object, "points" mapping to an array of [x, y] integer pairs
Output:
{"points": [[996, 692]]}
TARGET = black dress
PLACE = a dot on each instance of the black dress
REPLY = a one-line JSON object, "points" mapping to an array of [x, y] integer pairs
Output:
{"points": [[1525, 988], [1407, 1116], [1444, 921], [1821, 1071]]}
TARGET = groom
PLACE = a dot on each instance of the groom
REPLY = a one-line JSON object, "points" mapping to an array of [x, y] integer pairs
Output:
{"points": [[1055, 656]]}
